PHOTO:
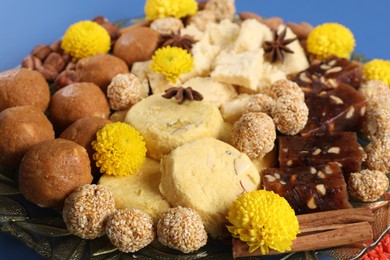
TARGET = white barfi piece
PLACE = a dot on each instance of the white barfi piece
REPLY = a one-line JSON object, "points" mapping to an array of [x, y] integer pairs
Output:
{"points": [[216, 92], [239, 69], [252, 36], [223, 34]]}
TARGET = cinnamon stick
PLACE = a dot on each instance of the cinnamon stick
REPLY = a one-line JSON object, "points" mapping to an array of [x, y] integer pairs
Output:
{"points": [[323, 230]]}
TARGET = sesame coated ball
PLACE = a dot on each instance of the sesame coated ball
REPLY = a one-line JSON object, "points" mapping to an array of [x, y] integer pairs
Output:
{"points": [[367, 185], [290, 114], [260, 103], [181, 229], [285, 87], [202, 18], [222, 9], [254, 134], [376, 92], [376, 122], [87, 209], [130, 230], [378, 154], [167, 25], [124, 91]]}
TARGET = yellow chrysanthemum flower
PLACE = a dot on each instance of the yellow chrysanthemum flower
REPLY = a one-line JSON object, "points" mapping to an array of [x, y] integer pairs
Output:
{"points": [[155, 9], [377, 69], [172, 62], [263, 220], [331, 39], [120, 149], [84, 39]]}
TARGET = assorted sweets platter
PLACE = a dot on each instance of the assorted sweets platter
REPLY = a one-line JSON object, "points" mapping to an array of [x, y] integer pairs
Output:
{"points": [[197, 132]]}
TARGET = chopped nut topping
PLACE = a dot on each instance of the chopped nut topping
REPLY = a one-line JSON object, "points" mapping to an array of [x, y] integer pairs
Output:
{"points": [[334, 70], [335, 150], [316, 151], [328, 170], [289, 162], [313, 170], [321, 189], [311, 204], [350, 112], [321, 175], [305, 78], [270, 177], [336, 100]]}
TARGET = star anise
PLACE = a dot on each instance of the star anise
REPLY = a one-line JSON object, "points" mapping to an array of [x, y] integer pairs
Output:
{"points": [[182, 94], [176, 40], [276, 48]]}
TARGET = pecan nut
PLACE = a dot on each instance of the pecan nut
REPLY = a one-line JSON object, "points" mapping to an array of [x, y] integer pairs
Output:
{"points": [[56, 61], [41, 51]]}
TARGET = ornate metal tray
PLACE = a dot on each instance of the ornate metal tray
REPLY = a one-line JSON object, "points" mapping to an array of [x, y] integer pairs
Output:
{"points": [[44, 231]]}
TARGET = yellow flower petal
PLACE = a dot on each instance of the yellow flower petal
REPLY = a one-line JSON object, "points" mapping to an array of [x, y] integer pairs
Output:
{"points": [[377, 69], [120, 149], [172, 62], [155, 9], [263, 220], [331, 39], [84, 39]]}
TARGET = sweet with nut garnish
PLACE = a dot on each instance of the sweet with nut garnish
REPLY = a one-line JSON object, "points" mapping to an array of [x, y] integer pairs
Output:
{"points": [[208, 107], [309, 188], [320, 149]]}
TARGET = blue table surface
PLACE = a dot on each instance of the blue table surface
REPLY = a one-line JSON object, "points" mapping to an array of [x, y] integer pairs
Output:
{"points": [[25, 24]]}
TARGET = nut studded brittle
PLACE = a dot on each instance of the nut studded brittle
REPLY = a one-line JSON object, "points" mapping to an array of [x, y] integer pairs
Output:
{"points": [[339, 69], [331, 95], [309, 189], [333, 109], [319, 149]]}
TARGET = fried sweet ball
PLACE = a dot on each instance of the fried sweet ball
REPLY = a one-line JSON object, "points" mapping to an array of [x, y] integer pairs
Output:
{"points": [[76, 101], [137, 44], [83, 131], [52, 170], [100, 69], [20, 129], [22, 87]]}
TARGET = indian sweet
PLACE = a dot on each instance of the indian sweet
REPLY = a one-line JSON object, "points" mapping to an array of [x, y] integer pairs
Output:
{"points": [[21, 128], [22, 87], [52, 170]]}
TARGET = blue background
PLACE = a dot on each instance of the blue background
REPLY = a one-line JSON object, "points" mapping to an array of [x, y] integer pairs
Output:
{"points": [[25, 24]]}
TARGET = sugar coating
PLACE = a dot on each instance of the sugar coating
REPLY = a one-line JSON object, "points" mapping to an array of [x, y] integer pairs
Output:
{"points": [[367, 185], [130, 230], [260, 103], [124, 91], [181, 229], [254, 134], [167, 25], [285, 87], [290, 114], [87, 209], [378, 154]]}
